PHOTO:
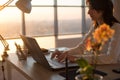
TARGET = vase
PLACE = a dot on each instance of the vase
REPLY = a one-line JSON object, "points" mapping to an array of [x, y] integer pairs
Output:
{"points": [[96, 77]]}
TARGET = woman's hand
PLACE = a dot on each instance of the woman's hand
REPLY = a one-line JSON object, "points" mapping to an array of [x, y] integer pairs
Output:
{"points": [[61, 56]]}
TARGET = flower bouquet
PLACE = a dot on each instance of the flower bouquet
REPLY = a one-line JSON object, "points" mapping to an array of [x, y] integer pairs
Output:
{"points": [[94, 45]]}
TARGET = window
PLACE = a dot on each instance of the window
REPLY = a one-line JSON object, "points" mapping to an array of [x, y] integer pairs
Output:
{"points": [[50, 21], [47, 18], [70, 2], [40, 22], [10, 22], [69, 20]]}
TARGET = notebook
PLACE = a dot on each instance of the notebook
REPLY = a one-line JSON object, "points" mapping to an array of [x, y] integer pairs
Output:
{"points": [[40, 57]]}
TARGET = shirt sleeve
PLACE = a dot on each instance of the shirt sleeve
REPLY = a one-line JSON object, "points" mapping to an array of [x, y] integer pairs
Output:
{"points": [[79, 49]]}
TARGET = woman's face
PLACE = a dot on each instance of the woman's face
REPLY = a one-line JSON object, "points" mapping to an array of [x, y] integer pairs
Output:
{"points": [[94, 14]]}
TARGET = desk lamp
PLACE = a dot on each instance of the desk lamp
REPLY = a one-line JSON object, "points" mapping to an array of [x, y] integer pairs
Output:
{"points": [[6, 46], [25, 7]]}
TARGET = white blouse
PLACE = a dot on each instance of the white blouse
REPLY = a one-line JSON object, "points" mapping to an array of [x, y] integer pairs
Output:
{"points": [[110, 53]]}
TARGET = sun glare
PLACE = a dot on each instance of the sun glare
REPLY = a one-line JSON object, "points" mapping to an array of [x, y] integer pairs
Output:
{"points": [[3, 2], [12, 47]]}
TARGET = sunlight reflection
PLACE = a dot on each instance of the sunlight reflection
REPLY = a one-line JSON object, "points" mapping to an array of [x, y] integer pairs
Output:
{"points": [[44, 42], [11, 46]]}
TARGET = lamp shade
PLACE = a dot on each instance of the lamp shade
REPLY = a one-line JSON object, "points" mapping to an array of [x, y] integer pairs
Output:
{"points": [[24, 5]]}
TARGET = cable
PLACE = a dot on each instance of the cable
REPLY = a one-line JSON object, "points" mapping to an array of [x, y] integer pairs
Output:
{"points": [[3, 70]]}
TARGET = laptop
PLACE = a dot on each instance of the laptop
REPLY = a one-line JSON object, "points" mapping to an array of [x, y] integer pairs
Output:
{"points": [[41, 58]]}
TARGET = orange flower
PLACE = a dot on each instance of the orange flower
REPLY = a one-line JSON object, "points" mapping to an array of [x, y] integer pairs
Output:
{"points": [[100, 36], [88, 44], [94, 45], [103, 33]]}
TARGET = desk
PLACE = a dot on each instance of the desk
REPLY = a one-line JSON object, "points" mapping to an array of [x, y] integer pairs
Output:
{"points": [[30, 69], [34, 71]]}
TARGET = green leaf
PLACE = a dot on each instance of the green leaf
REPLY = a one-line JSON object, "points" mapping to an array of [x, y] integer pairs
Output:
{"points": [[89, 70], [82, 62]]}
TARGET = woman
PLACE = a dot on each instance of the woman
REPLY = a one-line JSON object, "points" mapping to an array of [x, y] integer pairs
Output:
{"points": [[100, 11]]}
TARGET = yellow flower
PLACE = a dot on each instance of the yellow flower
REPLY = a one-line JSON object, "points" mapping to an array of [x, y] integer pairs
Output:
{"points": [[88, 44], [94, 44], [100, 36], [103, 33]]}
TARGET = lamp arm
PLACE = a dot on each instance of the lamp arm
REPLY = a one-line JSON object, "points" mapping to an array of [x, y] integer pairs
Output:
{"points": [[4, 42], [6, 4]]}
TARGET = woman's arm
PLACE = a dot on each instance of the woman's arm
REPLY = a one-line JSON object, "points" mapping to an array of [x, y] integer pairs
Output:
{"points": [[79, 49], [73, 52]]}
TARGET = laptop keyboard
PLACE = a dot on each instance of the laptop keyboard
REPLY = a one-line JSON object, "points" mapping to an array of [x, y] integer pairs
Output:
{"points": [[56, 63]]}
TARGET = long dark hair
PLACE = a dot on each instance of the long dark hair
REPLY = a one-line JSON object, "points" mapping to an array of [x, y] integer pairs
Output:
{"points": [[106, 6]]}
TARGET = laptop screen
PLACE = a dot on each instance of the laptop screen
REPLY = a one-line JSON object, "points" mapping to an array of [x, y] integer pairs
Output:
{"points": [[35, 50], [38, 55]]}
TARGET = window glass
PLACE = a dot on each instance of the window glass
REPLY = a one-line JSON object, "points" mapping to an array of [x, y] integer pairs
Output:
{"points": [[3, 2], [70, 2], [13, 2], [88, 19], [40, 21], [69, 20], [33, 2], [10, 22], [42, 2]]}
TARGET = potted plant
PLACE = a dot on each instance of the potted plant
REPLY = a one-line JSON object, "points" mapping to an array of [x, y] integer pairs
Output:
{"points": [[94, 45]]}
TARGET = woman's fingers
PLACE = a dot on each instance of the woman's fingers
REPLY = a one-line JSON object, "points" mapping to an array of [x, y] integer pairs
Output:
{"points": [[55, 54], [71, 58], [61, 58]]}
